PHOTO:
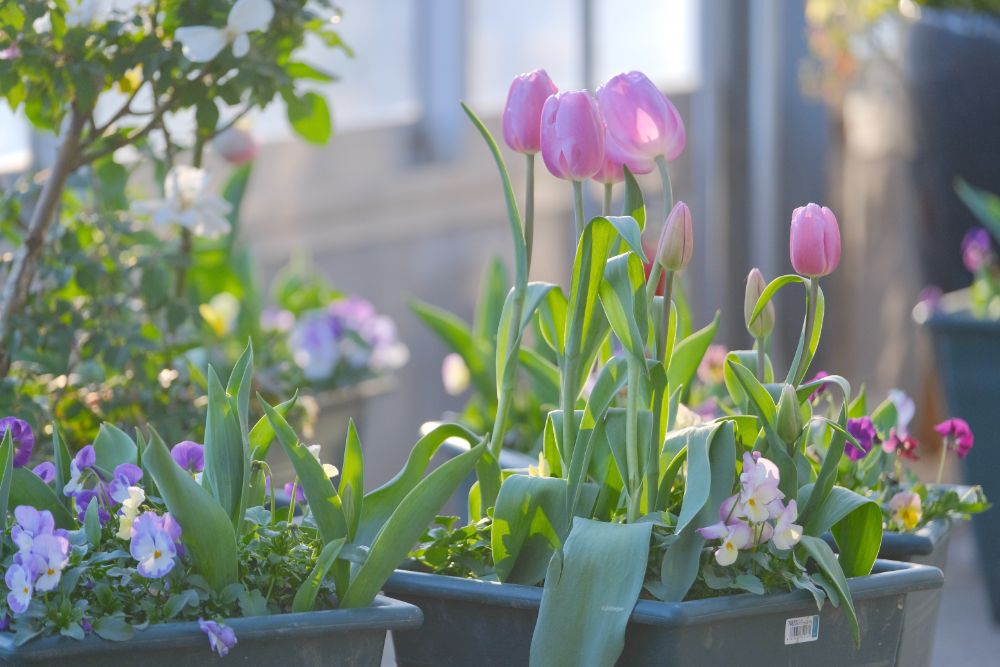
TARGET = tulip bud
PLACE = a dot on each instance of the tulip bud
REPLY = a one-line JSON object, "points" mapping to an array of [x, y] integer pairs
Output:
{"points": [[789, 418], [572, 135], [641, 118], [235, 145], [814, 242], [764, 323], [522, 115], [676, 239]]}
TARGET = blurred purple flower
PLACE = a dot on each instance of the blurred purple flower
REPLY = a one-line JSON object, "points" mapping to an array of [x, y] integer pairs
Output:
{"points": [[22, 436], [313, 344], [864, 432], [300, 496], [277, 319], [822, 388], [976, 248], [46, 470], [189, 455], [930, 296], [220, 637], [957, 435]]}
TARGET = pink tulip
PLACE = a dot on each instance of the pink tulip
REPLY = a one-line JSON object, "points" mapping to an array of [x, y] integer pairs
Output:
{"points": [[815, 241], [572, 135], [676, 239], [641, 119], [235, 145], [522, 115], [615, 157]]}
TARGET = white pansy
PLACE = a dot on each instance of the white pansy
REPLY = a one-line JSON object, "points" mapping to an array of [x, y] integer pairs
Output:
{"points": [[203, 43], [75, 483], [328, 469], [87, 12], [188, 203], [130, 510]]}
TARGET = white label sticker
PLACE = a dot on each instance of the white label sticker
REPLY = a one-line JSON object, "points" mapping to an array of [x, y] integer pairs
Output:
{"points": [[801, 629]]}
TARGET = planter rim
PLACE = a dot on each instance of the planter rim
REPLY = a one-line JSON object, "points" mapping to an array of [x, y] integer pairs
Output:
{"points": [[888, 578], [953, 314], [920, 542], [383, 614]]}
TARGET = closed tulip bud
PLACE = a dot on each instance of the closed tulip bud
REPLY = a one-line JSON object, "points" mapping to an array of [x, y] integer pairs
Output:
{"points": [[641, 118], [522, 115], [789, 419], [676, 239], [764, 324], [814, 242], [235, 145], [572, 135]]}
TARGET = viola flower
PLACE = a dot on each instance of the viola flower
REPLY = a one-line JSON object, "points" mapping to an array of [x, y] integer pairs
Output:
{"points": [[130, 510], [542, 469], [84, 460], [712, 366], [18, 581], [738, 537], [51, 554], [46, 470], [220, 313], [22, 436], [977, 249], [300, 495], [187, 203], [786, 532], [760, 498], [820, 390], [329, 469], [864, 432], [189, 455], [220, 637], [313, 344], [903, 445], [125, 476], [454, 374], [202, 43], [906, 510], [30, 523], [905, 410], [152, 546], [84, 498], [957, 435]]}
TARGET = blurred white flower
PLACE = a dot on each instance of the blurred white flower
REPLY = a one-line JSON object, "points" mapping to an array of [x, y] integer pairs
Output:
{"points": [[87, 12], [236, 145], [905, 409], [454, 374], [220, 313], [328, 469], [187, 204], [202, 43]]}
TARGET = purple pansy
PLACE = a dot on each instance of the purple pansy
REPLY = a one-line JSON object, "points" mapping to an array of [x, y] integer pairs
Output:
{"points": [[124, 476], [22, 436], [30, 523], [976, 248], [153, 545], [300, 496], [864, 432], [18, 580], [46, 470], [820, 389], [220, 637], [189, 455]]}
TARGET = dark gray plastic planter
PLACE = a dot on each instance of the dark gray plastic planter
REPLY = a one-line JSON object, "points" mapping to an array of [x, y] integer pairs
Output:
{"points": [[342, 637], [968, 356], [471, 622]]}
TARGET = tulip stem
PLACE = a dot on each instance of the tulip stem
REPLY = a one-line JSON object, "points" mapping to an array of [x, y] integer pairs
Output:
{"points": [[606, 209], [668, 189], [802, 358], [761, 358], [668, 291], [578, 208], [529, 206], [632, 440]]}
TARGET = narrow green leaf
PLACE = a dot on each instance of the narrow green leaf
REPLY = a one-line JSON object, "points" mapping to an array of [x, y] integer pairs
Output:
{"points": [[475, 352], [226, 461], [262, 434], [305, 597], [324, 502], [62, 462], [623, 297], [634, 205], [820, 552], [552, 320], [206, 529], [856, 523], [699, 476], [536, 294], [530, 512], [352, 480], [6, 477], [591, 588], [688, 353], [772, 289], [491, 299], [406, 523], [92, 525]]}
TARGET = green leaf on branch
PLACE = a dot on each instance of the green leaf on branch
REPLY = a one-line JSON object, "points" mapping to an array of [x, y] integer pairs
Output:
{"points": [[309, 116]]}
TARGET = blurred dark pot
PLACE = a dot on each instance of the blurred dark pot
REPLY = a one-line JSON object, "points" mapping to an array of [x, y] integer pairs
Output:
{"points": [[950, 73], [968, 355]]}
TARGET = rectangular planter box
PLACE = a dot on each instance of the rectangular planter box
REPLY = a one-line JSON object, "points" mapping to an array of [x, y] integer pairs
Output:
{"points": [[342, 637], [471, 622]]}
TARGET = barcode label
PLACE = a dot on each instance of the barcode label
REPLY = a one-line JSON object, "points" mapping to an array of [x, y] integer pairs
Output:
{"points": [[801, 629]]}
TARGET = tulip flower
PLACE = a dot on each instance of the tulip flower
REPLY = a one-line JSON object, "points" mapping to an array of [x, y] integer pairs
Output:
{"points": [[764, 322], [522, 114], [789, 418], [572, 135], [676, 239], [814, 241], [642, 121]]}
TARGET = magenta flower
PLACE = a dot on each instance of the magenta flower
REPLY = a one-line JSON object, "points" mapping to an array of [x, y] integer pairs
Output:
{"points": [[864, 432], [22, 436], [814, 242], [904, 445], [522, 114], [220, 637], [46, 470], [643, 122], [189, 455], [820, 389], [957, 435], [976, 249], [572, 135]]}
